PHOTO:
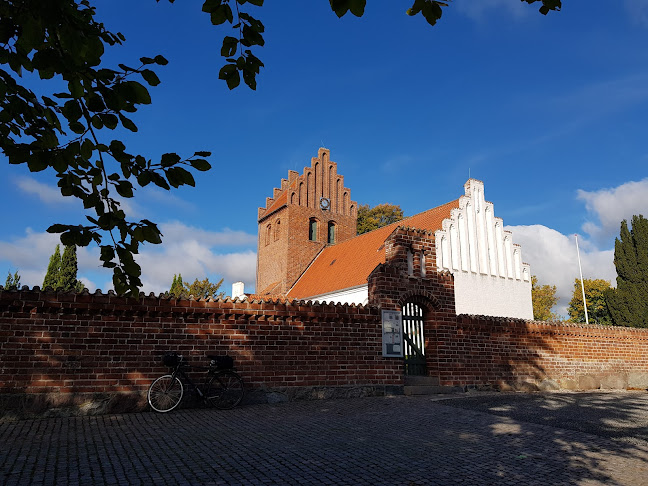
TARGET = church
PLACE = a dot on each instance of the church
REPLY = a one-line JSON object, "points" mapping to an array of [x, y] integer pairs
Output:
{"points": [[308, 248]]}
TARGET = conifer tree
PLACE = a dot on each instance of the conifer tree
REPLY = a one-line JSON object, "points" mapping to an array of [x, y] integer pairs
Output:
{"points": [[67, 277], [62, 271], [628, 303], [52, 275], [177, 288], [13, 281]]}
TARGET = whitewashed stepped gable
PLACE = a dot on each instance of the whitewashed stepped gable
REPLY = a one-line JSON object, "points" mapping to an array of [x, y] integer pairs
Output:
{"points": [[490, 276]]}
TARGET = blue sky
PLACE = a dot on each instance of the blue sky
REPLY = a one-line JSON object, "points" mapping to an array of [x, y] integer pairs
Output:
{"points": [[550, 112]]}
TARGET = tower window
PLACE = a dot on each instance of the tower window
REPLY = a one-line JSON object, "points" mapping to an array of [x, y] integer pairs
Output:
{"points": [[312, 229], [277, 232], [331, 233], [268, 233]]}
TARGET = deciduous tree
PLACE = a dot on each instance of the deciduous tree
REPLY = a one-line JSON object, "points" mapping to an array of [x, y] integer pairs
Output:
{"points": [[200, 289], [69, 132], [628, 303], [544, 299], [597, 310], [381, 215]]}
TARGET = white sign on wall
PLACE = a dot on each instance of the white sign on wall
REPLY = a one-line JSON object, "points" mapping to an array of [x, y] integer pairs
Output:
{"points": [[392, 333]]}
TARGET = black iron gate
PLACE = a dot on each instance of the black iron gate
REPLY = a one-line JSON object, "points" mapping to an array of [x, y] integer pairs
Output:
{"points": [[414, 344]]}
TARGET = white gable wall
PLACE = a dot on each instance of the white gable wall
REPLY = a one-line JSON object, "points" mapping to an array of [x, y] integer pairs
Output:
{"points": [[490, 276]]}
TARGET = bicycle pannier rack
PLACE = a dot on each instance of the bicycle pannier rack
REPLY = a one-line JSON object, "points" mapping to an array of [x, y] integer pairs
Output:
{"points": [[170, 359], [223, 362]]}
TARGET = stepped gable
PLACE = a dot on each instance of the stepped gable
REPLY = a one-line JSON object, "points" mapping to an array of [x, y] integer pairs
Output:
{"points": [[319, 180], [349, 264]]}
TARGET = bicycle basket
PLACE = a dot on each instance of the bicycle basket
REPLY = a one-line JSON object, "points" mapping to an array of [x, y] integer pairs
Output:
{"points": [[223, 362], [170, 359]]}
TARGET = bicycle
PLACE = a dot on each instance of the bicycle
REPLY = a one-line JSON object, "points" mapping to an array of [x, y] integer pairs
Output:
{"points": [[222, 388]]}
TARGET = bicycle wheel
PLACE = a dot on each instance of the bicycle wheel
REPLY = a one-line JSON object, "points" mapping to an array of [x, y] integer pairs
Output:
{"points": [[225, 390], [165, 393]]}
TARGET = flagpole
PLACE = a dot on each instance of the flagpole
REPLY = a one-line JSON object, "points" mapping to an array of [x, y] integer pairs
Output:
{"points": [[581, 279]]}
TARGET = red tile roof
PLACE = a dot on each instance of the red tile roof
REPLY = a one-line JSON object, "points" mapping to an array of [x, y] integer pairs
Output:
{"points": [[349, 264]]}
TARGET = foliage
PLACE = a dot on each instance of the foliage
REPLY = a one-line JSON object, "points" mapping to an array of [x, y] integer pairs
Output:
{"points": [[51, 277], [200, 289], [597, 310], [177, 287], [69, 132], [381, 215], [62, 271], [13, 281], [544, 299], [628, 303]]}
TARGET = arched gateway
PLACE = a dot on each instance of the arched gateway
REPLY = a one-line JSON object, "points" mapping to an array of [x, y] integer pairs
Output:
{"points": [[414, 339]]}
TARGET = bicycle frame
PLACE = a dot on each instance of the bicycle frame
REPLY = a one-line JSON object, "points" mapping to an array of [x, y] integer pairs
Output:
{"points": [[178, 370]]}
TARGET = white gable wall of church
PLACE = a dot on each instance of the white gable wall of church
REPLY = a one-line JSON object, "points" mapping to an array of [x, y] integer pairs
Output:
{"points": [[490, 277]]}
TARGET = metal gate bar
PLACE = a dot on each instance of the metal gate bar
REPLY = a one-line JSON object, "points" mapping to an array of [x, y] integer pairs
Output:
{"points": [[414, 343]]}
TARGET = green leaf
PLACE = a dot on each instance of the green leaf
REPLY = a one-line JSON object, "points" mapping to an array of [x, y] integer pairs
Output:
{"points": [[231, 75], [170, 159], [229, 46], [86, 149], [150, 77], [58, 228], [77, 127], [200, 164], [127, 123], [75, 87], [110, 120]]}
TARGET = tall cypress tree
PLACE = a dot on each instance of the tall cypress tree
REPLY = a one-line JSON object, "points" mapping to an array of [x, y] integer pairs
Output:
{"points": [[177, 286], [67, 278], [628, 303], [53, 269]]}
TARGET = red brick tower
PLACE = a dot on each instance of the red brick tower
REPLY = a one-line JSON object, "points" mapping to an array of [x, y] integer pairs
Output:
{"points": [[307, 213]]}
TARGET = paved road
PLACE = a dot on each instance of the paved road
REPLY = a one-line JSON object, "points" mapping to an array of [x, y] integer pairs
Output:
{"points": [[548, 439]]}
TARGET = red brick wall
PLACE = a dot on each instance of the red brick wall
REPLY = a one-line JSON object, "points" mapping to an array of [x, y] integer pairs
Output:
{"points": [[483, 350], [65, 343]]}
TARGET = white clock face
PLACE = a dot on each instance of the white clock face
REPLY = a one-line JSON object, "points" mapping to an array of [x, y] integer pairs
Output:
{"points": [[325, 203]]}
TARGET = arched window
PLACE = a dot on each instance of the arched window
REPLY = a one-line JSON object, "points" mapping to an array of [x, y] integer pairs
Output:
{"points": [[277, 229], [331, 233], [312, 229], [268, 233], [410, 263]]}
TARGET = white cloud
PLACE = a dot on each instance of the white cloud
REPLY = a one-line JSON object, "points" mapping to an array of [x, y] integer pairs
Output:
{"points": [[46, 193], [190, 251], [29, 255], [553, 260], [477, 10], [193, 252], [638, 11], [611, 206]]}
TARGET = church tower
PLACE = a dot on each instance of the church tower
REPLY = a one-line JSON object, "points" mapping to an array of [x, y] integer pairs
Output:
{"points": [[307, 213]]}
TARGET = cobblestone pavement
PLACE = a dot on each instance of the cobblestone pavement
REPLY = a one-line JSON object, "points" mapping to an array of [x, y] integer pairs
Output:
{"points": [[557, 438]]}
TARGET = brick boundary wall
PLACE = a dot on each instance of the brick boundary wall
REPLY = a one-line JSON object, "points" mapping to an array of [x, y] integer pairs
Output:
{"points": [[61, 347], [518, 354], [101, 351]]}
